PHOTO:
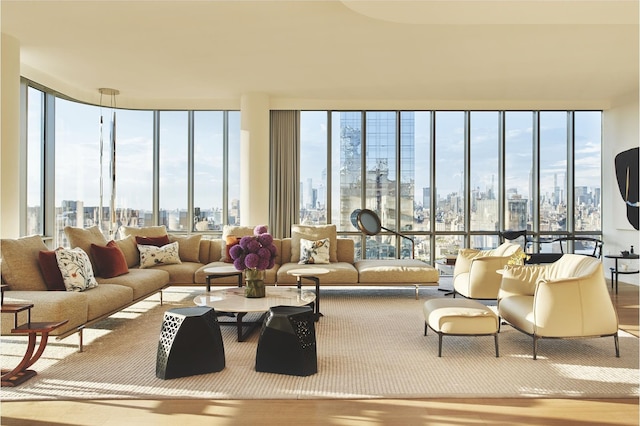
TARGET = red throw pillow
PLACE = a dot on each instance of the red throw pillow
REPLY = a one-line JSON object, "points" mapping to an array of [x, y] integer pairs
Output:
{"points": [[110, 261], [153, 241], [232, 240], [50, 271]]}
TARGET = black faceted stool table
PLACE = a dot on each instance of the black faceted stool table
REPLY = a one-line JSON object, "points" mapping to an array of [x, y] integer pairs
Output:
{"points": [[287, 343], [190, 343]]}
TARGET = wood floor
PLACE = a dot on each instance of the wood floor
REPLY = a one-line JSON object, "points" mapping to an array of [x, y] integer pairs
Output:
{"points": [[458, 412]]}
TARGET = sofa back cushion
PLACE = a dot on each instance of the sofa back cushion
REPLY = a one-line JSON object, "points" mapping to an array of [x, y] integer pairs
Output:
{"points": [[188, 247], [130, 250], [211, 250], [346, 250], [314, 233], [20, 264], [147, 231], [84, 237]]}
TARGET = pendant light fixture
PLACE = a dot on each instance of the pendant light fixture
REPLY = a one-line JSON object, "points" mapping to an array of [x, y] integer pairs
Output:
{"points": [[111, 93]]}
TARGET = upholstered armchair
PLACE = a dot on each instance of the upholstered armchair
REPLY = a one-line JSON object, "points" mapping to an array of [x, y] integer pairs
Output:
{"points": [[475, 275], [566, 298]]}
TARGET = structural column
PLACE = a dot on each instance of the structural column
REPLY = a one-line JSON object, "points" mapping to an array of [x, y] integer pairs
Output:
{"points": [[254, 164], [10, 204]]}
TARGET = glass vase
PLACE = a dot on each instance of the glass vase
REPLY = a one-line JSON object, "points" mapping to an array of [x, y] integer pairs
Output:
{"points": [[254, 283]]}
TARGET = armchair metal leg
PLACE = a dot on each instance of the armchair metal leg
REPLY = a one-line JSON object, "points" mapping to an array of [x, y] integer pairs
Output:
{"points": [[535, 347], [495, 336], [615, 340]]}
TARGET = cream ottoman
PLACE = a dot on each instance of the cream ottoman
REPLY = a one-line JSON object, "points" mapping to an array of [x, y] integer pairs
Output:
{"points": [[460, 317]]}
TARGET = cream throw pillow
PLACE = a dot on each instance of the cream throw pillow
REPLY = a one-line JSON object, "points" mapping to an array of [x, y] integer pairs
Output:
{"points": [[76, 269], [314, 233], [153, 256], [314, 252]]}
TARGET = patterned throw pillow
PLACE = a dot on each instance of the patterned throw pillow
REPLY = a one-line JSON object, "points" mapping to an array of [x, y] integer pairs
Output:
{"points": [[76, 269], [314, 251], [153, 256]]}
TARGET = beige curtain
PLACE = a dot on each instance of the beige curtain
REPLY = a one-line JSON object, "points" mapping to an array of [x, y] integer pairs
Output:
{"points": [[284, 204]]}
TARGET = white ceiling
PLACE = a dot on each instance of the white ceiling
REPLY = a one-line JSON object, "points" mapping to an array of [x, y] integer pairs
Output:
{"points": [[332, 54]]}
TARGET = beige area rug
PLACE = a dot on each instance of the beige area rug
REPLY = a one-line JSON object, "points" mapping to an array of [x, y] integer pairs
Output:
{"points": [[370, 344]]}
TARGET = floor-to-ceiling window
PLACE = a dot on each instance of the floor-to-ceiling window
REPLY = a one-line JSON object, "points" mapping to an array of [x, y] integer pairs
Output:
{"points": [[134, 168], [313, 167], [484, 172], [175, 168], [35, 175], [452, 179]]}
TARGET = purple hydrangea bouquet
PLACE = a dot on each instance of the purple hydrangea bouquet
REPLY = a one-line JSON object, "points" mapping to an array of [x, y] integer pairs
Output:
{"points": [[254, 254]]}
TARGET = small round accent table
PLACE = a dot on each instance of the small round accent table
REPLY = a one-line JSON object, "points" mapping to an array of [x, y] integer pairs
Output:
{"points": [[214, 272], [310, 274], [615, 271]]}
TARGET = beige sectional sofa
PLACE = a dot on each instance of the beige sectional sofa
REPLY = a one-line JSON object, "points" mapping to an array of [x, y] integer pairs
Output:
{"points": [[21, 271]]}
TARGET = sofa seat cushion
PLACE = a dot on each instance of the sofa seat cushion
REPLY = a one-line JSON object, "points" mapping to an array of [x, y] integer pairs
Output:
{"points": [[49, 306], [339, 273], [201, 276], [106, 299], [396, 271], [518, 311], [460, 316], [180, 273], [143, 281]]}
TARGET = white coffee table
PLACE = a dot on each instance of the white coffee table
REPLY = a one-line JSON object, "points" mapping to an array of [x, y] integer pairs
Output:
{"points": [[214, 272], [232, 300], [311, 274]]}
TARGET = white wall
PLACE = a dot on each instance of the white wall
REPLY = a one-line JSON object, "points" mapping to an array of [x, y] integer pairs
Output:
{"points": [[621, 130], [10, 139]]}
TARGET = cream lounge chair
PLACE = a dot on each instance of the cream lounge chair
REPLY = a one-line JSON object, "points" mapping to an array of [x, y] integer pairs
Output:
{"points": [[563, 299]]}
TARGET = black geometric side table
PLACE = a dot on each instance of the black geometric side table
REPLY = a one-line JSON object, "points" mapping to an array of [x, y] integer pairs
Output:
{"points": [[287, 343], [190, 343]]}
